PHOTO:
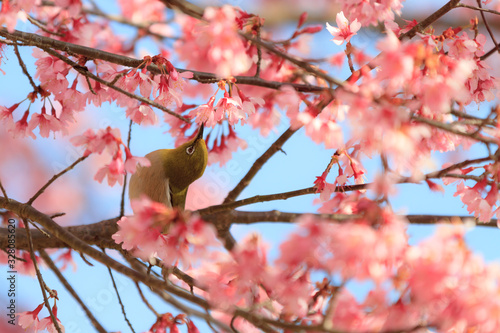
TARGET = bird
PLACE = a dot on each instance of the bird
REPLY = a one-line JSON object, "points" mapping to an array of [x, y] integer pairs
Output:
{"points": [[171, 172]]}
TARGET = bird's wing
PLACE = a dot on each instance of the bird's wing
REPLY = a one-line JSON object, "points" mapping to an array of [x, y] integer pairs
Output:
{"points": [[168, 194]]}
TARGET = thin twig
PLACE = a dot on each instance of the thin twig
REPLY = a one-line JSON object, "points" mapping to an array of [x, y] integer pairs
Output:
{"points": [[25, 70], [298, 62], [275, 147], [70, 289], [39, 275], [450, 128], [485, 10], [3, 190], [146, 301], [429, 20], [271, 197], [257, 165], [488, 26], [119, 297], [42, 27], [259, 54], [122, 203], [44, 187]]}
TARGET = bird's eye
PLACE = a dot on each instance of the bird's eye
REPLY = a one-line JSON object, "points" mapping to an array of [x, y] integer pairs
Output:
{"points": [[190, 150]]}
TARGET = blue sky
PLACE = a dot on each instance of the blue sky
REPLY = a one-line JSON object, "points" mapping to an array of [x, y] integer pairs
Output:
{"points": [[303, 161]]}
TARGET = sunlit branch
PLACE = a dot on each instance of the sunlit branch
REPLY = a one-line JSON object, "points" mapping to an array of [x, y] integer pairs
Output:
{"points": [[429, 20], [185, 7], [272, 197], [46, 258], [100, 233], [43, 42], [298, 62], [456, 166], [42, 27]]}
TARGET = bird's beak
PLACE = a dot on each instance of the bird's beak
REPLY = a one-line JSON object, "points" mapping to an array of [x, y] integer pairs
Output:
{"points": [[200, 133]]}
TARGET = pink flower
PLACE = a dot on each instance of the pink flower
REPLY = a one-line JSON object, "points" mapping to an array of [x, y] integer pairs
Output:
{"points": [[67, 259], [21, 127], [371, 11], [231, 107], [205, 113], [224, 147], [48, 324], [344, 32], [6, 115], [172, 235], [142, 114], [46, 122], [214, 45], [114, 171], [52, 72], [472, 197], [29, 319], [132, 161], [87, 138], [108, 139]]}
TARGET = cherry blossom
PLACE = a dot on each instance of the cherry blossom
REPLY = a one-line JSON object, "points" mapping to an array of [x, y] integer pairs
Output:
{"points": [[344, 32], [114, 171], [108, 139], [21, 128], [142, 114], [45, 122], [369, 12], [224, 147], [6, 115], [29, 319], [205, 113], [173, 236], [48, 324], [214, 45]]}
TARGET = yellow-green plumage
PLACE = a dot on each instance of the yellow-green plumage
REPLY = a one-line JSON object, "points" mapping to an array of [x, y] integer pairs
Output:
{"points": [[171, 172]]}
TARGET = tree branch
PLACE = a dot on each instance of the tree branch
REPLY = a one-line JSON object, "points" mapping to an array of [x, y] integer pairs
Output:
{"points": [[99, 234], [429, 20], [43, 42]]}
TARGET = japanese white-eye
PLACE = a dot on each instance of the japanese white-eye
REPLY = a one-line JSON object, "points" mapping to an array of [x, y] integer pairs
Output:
{"points": [[171, 172]]}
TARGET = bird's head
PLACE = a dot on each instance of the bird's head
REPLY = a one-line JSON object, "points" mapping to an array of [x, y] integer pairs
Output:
{"points": [[190, 159]]}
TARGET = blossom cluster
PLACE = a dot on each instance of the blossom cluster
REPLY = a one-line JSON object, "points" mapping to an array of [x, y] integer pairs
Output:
{"points": [[109, 140], [174, 236], [29, 320], [214, 45]]}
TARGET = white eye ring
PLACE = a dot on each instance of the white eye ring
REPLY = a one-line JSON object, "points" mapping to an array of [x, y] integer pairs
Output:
{"points": [[190, 150]]}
